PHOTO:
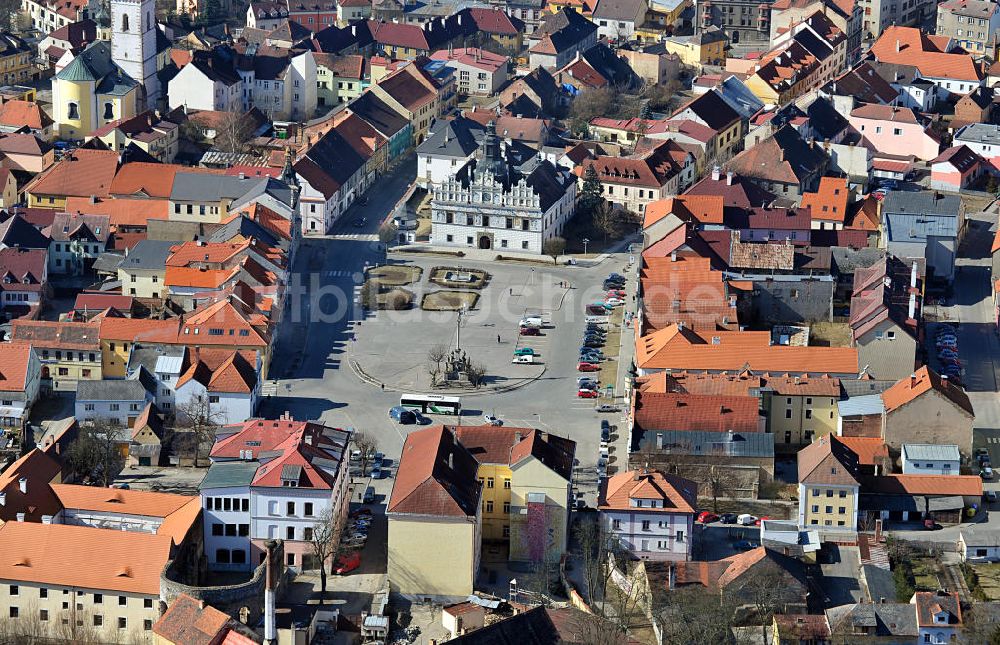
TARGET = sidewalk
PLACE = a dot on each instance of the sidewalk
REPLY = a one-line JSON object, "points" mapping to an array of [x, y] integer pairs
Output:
{"points": [[489, 255]]}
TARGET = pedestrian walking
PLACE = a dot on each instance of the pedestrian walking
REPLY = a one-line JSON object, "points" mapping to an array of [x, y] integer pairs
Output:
{"points": [[498, 339], [383, 387]]}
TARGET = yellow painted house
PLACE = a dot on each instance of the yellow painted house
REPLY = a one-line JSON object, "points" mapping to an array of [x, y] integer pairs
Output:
{"points": [[828, 486], [92, 91], [526, 477], [435, 519], [69, 351], [707, 47], [800, 410]]}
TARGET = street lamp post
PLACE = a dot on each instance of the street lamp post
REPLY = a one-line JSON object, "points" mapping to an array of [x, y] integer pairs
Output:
{"points": [[585, 241]]}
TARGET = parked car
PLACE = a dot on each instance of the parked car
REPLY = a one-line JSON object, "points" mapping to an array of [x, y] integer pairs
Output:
{"points": [[580, 380], [585, 366], [361, 512], [990, 495], [400, 415], [614, 302], [524, 351], [606, 407], [588, 385], [745, 545], [605, 435], [492, 420], [592, 344], [587, 394], [761, 519], [746, 519], [728, 518], [986, 473], [369, 495], [707, 517], [526, 359], [347, 562], [530, 331]]}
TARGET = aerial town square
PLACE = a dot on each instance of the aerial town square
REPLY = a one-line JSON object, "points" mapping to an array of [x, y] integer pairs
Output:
{"points": [[499, 322]]}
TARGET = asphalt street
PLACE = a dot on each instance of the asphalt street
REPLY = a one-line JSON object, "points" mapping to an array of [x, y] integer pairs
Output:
{"points": [[313, 380]]}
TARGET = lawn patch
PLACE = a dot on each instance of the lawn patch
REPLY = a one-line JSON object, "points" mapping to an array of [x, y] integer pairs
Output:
{"points": [[449, 300], [395, 275]]}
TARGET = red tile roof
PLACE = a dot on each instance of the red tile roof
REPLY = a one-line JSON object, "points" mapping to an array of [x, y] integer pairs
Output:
{"points": [[14, 360], [20, 113], [830, 201], [828, 461], [871, 451], [924, 380], [965, 485], [436, 476], [82, 173], [911, 46], [191, 622], [152, 179], [674, 411], [121, 211], [39, 469]]}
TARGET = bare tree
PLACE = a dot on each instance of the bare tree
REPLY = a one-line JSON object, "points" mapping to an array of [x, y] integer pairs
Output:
{"points": [[387, 233], [98, 451], [554, 247], [326, 543], [692, 614], [594, 629], [765, 590], [722, 481], [199, 420], [435, 355], [606, 220], [476, 373], [233, 132], [366, 445], [589, 104]]}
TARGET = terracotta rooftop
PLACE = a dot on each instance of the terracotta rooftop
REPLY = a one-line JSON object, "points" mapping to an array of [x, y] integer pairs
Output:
{"points": [[436, 476], [14, 360], [670, 493], [922, 381], [39, 470], [910, 46], [828, 461], [871, 451], [508, 445], [82, 173], [964, 485], [709, 413], [191, 622], [829, 202]]}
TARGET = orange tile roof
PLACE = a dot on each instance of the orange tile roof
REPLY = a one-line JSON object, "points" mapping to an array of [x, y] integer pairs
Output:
{"points": [[685, 289], [702, 209], [965, 485], [64, 555], [188, 252], [703, 384], [190, 622], [20, 113], [871, 451], [436, 476], [673, 411], [677, 494], [199, 278], [192, 328], [911, 46], [152, 179], [828, 460], [116, 500], [684, 349], [14, 359], [222, 371], [924, 380], [121, 211], [46, 334], [996, 242], [83, 173], [267, 218], [829, 202]]}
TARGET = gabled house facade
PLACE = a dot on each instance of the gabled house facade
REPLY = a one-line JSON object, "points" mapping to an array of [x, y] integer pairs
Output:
{"points": [[651, 513]]}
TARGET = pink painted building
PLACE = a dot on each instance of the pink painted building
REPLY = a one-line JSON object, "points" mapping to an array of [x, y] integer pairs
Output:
{"points": [[957, 168], [895, 131]]}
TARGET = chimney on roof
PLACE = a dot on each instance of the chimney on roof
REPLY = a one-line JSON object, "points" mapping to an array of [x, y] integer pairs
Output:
{"points": [[451, 460], [517, 437], [673, 256], [729, 178], [46, 519], [20, 517], [22, 483], [716, 172], [93, 199], [899, 46], [3, 499], [913, 380]]}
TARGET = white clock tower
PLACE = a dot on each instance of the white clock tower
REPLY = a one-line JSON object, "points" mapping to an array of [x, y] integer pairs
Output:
{"points": [[133, 44]]}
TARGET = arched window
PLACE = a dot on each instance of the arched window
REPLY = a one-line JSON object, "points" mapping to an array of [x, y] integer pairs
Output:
{"points": [[73, 111], [124, 22], [109, 111]]}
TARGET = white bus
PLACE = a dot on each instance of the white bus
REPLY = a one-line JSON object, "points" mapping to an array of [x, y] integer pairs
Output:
{"points": [[431, 403]]}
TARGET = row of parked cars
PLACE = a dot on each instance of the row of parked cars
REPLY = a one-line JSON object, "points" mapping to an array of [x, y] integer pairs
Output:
{"points": [[946, 346], [595, 334], [744, 519]]}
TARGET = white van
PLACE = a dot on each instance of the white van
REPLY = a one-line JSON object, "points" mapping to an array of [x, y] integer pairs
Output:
{"points": [[524, 359], [746, 519], [531, 321]]}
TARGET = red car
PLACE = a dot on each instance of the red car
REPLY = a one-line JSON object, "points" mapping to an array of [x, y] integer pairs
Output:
{"points": [[761, 519], [616, 293], [707, 517], [530, 331], [588, 367], [347, 563], [587, 394]]}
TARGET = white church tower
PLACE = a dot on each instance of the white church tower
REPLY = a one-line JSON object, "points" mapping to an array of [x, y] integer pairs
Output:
{"points": [[133, 44]]}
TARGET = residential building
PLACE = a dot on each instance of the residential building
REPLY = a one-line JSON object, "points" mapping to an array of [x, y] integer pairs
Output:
{"points": [[888, 621], [17, 114], [635, 181], [800, 410], [266, 16], [448, 148], [927, 408], [26, 152], [974, 107], [339, 79], [651, 65], [20, 381], [939, 616], [15, 60], [413, 93], [77, 240], [479, 71], [950, 72], [746, 23], [144, 269], [386, 120], [332, 175], [492, 203], [712, 110], [896, 131], [651, 513], [930, 459], [65, 179], [8, 189], [152, 134], [115, 402], [848, 17], [970, 24], [272, 479], [533, 95], [783, 164], [957, 169], [981, 138], [148, 434], [676, 347], [829, 486], [207, 82], [113, 577], [979, 543], [92, 91], [24, 279], [685, 289], [526, 477], [704, 47], [436, 499], [227, 382], [886, 315], [188, 621], [927, 226], [672, 411], [829, 205], [69, 352], [914, 498], [559, 38], [618, 20]]}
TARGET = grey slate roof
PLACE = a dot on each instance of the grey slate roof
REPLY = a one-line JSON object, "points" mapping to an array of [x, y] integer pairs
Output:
{"points": [[229, 473], [931, 452], [861, 405], [863, 387], [95, 64], [147, 254], [619, 9], [201, 187], [16, 231], [146, 356], [878, 583], [248, 228], [696, 442], [378, 114], [884, 619], [980, 535], [979, 133], [458, 137], [845, 259], [116, 390], [921, 203], [907, 228]]}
